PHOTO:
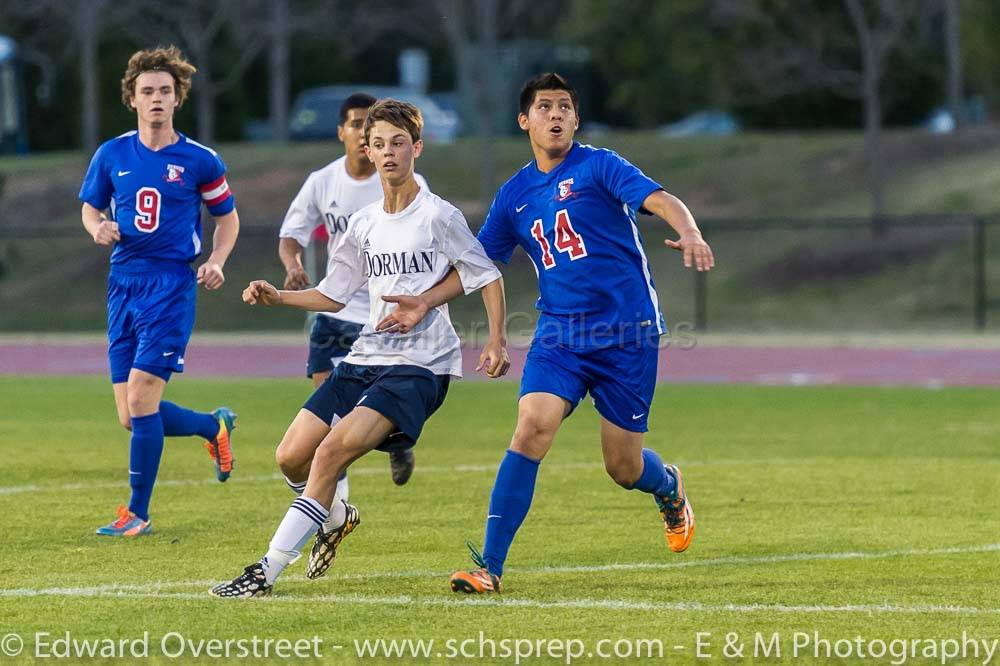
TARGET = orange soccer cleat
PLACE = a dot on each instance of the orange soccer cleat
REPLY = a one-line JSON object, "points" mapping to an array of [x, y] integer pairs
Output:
{"points": [[477, 581], [127, 524], [678, 517], [221, 448]]}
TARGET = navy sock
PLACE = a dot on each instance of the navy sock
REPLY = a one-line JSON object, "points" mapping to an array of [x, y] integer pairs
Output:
{"points": [[509, 504], [180, 421], [144, 461], [654, 478]]}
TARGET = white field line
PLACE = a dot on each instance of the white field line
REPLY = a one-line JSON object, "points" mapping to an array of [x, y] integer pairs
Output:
{"points": [[361, 471], [163, 589], [586, 604], [707, 562]]}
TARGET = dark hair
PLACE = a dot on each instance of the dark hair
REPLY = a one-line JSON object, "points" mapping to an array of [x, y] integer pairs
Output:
{"points": [[355, 101], [399, 114], [167, 59], [546, 81]]}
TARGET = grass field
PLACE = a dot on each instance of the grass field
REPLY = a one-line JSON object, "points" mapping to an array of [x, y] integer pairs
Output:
{"points": [[849, 512]]}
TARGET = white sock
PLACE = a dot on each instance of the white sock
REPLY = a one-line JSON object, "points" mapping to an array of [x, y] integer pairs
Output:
{"points": [[304, 516], [296, 486], [338, 515], [275, 562]]}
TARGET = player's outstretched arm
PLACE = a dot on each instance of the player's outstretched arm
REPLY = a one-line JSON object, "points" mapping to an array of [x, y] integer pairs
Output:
{"points": [[227, 228], [262, 292], [100, 228], [494, 360], [696, 251]]}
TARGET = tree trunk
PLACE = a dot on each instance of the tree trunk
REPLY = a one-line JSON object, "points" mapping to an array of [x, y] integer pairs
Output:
{"points": [[205, 112], [872, 58], [279, 71], [485, 92], [873, 136], [87, 27], [953, 53]]}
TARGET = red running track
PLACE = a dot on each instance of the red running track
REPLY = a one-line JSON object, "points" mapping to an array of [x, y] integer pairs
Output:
{"points": [[741, 365]]}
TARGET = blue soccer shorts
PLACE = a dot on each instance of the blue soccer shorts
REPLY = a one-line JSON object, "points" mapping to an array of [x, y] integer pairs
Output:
{"points": [[150, 318], [407, 395], [329, 342], [620, 379]]}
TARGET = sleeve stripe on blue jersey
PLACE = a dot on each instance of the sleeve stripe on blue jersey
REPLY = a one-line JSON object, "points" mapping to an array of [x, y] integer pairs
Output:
{"points": [[645, 269], [215, 192]]}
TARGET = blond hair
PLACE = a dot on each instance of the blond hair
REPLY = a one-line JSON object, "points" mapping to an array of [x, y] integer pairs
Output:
{"points": [[161, 59], [397, 113]]}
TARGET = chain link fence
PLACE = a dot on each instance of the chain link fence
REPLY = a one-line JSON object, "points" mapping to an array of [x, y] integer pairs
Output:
{"points": [[924, 273]]}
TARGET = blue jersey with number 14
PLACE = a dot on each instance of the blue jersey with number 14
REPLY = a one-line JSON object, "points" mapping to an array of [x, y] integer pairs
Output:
{"points": [[577, 223], [156, 196]]}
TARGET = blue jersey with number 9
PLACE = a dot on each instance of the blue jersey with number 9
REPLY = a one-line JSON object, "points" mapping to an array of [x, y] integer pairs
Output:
{"points": [[578, 225], [156, 196]]}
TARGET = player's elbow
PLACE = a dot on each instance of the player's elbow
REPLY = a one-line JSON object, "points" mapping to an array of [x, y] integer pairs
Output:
{"points": [[88, 212], [289, 247], [229, 221], [495, 285], [490, 290]]}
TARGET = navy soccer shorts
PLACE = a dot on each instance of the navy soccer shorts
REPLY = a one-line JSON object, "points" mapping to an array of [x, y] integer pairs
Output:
{"points": [[329, 342], [620, 379], [407, 395], [150, 318]]}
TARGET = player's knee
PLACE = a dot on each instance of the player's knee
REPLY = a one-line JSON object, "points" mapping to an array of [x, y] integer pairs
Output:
{"points": [[142, 399], [330, 456], [289, 460], [532, 438], [622, 473], [136, 404]]}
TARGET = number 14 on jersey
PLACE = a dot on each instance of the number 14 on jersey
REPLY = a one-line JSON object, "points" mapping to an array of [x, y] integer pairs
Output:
{"points": [[566, 239]]}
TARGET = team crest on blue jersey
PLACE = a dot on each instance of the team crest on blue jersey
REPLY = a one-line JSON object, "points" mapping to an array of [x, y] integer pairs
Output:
{"points": [[565, 190], [174, 174]]}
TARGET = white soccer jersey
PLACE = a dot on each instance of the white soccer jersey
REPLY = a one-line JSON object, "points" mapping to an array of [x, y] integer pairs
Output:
{"points": [[329, 197], [407, 253]]}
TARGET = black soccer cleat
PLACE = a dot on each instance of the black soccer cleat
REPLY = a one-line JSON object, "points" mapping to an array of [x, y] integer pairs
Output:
{"points": [[251, 583], [324, 550], [401, 466]]}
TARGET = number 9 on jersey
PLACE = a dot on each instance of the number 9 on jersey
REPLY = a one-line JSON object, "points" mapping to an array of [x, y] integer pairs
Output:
{"points": [[147, 208]]}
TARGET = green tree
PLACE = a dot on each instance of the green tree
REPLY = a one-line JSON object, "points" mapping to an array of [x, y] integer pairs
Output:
{"points": [[659, 59], [980, 48]]}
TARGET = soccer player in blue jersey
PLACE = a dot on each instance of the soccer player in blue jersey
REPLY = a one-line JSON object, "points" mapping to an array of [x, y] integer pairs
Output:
{"points": [[153, 182], [573, 210]]}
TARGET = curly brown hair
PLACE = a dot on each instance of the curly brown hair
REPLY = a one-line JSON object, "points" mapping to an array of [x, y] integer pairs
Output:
{"points": [[399, 114], [161, 59]]}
